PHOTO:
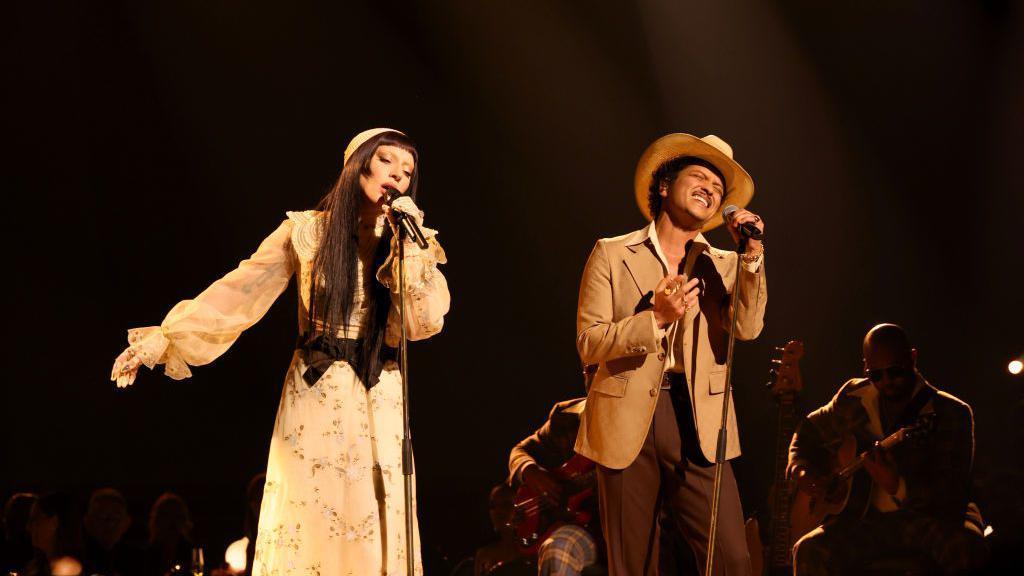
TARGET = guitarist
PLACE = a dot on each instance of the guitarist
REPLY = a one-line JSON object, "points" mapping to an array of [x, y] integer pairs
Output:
{"points": [[570, 548], [917, 496]]}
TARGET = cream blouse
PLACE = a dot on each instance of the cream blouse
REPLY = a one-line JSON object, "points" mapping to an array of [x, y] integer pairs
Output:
{"points": [[197, 331]]}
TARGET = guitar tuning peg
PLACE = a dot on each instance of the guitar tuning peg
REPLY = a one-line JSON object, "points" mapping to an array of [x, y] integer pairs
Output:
{"points": [[773, 372], [777, 361], [780, 349], [768, 384]]}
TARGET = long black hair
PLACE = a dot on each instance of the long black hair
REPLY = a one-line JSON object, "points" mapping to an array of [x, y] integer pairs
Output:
{"points": [[337, 257]]}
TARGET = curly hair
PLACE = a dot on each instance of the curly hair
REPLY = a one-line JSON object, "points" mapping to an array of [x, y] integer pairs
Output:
{"points": [[666, 175]]}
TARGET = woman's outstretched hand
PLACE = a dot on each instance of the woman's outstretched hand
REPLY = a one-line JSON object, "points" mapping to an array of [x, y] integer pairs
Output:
{"points": [[126, 368]]}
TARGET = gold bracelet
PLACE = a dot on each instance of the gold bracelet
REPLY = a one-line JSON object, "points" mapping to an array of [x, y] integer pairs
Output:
{"points": [[751, 258]]}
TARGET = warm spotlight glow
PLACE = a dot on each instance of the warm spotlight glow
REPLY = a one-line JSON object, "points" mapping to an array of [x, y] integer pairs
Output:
{"points": [[1015, 367], [66, 566], [235, 555]]}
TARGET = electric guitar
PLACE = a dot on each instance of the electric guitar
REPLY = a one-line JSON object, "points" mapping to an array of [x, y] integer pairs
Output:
{"points": [[535, 516]]}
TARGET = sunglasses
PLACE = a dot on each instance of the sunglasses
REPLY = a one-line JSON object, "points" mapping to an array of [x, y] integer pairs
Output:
{"points": [[892, 372]]}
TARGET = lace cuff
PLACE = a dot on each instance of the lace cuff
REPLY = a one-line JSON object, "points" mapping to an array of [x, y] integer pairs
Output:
{"points": [[420, 265], [153, 347]]}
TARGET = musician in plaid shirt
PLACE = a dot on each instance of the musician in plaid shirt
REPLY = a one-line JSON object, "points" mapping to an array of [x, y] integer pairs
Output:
{"points": [[570, 548]]}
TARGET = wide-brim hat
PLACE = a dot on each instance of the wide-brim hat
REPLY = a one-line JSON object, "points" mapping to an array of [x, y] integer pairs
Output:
{"points": [[739, 186]]}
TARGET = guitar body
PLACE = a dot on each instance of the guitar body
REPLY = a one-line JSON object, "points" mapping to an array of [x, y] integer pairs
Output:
{"points": [[804, 516], [535, 518], [808, 512]]}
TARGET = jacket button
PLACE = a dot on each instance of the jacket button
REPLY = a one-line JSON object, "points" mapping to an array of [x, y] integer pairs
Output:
{"points": [[661, 355], [654, 391]]}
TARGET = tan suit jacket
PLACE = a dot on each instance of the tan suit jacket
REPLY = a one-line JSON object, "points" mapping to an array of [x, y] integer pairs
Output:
{"points": [[616, 331]]}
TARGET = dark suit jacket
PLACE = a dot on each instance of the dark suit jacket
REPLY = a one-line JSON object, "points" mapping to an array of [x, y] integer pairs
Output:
{"points": [[543, 447]]}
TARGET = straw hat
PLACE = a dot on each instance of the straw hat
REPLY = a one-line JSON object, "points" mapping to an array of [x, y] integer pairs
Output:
{"points": [[739, 187]]}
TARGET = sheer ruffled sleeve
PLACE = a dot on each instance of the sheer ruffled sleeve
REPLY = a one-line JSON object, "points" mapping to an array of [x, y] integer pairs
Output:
{"points": [[197, 331], [426, 291]]}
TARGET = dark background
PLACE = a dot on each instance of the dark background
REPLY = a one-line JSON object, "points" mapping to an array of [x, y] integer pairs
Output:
{"points": [[153, 146]]}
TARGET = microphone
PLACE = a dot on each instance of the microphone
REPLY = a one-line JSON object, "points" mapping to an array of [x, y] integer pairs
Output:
{"points": [[412, 229], [747, 230]]}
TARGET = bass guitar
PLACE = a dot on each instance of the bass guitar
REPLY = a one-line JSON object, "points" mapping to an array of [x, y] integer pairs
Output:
{"points": [[776, 558]]}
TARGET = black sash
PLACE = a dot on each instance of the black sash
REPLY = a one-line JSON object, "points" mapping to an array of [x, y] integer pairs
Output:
{"points": [[320, 353]]}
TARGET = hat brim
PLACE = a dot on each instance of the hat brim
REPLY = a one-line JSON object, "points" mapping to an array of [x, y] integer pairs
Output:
{"points": [[739, 186]]}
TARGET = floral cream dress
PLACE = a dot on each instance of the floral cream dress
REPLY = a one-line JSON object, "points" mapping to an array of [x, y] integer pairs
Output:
{"points": [[334, 500]]}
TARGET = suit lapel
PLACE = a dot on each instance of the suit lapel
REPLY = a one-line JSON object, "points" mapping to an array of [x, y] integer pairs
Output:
{"points": [[643, 265], [689, 321], [868, 396], [691, 260]]}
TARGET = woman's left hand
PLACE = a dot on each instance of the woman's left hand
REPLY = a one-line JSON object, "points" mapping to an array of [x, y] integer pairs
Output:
{"points": [[126, 368], [407, 206]]}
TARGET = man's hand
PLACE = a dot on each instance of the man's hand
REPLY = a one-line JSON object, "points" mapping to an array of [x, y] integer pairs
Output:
{"points": [[673, 296], [881, 465], [808, 482], [541, 482], [742, 216]]}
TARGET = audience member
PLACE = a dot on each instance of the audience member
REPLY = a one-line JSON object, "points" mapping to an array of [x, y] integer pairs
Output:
{"points": [[17, 545], [55, 529], [170, 535], [106, 521]]}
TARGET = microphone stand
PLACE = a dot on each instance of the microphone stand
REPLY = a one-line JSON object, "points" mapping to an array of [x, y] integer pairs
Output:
{"points": [[406, 432], [723, 427]]}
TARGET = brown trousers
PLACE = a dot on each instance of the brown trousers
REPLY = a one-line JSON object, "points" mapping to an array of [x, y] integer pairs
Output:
{"points": [[665, 475]]}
